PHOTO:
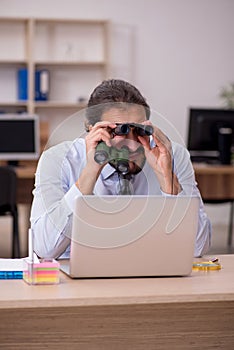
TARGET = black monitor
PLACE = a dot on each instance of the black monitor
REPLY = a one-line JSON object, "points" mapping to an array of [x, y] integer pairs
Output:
{"points": [[210, 135], [19, 137]]}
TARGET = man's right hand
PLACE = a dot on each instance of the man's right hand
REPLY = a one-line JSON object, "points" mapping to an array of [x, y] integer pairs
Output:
{"points": [[101, 131]]}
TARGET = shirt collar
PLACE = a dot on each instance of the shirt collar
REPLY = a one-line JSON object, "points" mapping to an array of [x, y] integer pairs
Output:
{"points": [[107, 171]]}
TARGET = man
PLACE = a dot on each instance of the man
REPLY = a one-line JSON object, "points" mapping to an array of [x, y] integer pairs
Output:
{"points": [[156, 166]]}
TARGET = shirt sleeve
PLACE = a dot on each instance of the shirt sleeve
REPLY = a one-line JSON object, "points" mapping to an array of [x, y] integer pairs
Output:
{"points": [[52, 208], [185, 173]]}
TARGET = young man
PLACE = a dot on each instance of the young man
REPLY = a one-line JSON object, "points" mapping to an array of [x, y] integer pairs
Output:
{"points": [[117, 115]]}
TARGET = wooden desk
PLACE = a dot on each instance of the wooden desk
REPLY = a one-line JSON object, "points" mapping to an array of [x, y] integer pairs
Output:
{"points": [[26, 178], [195, 312], [215, 181]]}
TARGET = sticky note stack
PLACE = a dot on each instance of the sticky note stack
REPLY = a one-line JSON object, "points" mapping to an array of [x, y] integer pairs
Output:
{"points": [[44, 272]]}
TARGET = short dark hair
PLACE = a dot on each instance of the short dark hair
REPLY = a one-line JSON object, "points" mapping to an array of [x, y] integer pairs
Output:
{"points": [[111, 93]]}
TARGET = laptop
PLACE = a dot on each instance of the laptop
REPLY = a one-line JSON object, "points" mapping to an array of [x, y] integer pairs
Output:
{"points": [[132, 236]]}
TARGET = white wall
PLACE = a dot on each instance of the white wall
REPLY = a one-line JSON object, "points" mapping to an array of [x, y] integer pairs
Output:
{"points": [[181, 51]]}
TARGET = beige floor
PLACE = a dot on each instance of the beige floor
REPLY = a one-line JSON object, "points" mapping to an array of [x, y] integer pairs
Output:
{"points": [[218, 244]]}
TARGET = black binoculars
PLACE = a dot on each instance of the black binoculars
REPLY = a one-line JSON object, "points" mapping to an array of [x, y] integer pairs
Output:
{"points": [[119, 158], [139, 129]]}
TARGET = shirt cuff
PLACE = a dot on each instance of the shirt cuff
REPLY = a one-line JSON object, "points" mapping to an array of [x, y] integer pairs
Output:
{"points": [[70, 197], [181, 193]]}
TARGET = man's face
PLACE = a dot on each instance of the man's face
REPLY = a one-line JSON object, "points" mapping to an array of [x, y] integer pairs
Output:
{"points": [[133, 114]]}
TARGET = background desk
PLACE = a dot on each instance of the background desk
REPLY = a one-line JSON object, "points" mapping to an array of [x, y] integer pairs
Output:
{"points": [[215, 181], [26, 178], [195, 312]]}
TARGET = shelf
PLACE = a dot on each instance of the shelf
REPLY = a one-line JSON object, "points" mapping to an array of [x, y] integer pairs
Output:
{"points": [[14, 19], [44, 104], [59, 104], [13, 103], [10, 62], [70, 21], [74, 51], [70, 63]]}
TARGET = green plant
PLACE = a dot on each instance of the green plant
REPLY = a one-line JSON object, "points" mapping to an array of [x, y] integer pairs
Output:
{"points": [[227, 95]]}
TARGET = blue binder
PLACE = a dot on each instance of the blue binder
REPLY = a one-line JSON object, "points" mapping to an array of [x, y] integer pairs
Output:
{"points": [[41, 85], [22, 80]]}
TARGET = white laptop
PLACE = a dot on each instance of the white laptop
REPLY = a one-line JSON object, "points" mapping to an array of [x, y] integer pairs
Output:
{"points": [[132, 236]]}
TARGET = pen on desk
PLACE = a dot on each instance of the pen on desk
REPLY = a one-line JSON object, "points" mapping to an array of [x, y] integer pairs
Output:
{"points": [[31, 252], [30, 245]]}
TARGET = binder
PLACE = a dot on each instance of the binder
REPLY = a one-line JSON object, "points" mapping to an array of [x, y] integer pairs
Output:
{"points": [[22, 84], [41, 85]]}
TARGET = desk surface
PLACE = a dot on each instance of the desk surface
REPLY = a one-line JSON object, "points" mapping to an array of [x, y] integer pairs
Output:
{"points": [[199, 286], [182, 313]]}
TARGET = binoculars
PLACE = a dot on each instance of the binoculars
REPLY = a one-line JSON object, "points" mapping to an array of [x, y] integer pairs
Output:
{"points": [[117, 157], [139, 129]]}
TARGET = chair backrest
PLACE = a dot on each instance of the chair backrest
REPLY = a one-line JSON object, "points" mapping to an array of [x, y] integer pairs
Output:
{"points": [[8, 185]]}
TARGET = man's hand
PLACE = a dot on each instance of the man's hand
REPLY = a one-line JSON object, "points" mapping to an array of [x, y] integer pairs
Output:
{"points": [[99, 132], [160, 159]]}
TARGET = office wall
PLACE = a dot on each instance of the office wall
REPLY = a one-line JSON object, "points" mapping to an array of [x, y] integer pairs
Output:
{"points": [[178, 52]]}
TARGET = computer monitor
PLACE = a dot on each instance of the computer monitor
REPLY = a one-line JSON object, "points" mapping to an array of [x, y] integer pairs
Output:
{"points": [[210, 134], [19, 137]]}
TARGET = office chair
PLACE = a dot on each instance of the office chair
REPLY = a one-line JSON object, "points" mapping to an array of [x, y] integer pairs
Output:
{"points": [[8, 206]]}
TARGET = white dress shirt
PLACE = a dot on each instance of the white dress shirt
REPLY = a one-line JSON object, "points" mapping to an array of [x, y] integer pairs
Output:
{"points": [[55, 191]]}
